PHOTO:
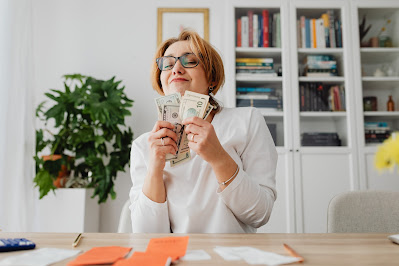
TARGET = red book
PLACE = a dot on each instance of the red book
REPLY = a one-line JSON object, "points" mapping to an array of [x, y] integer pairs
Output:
{"points": [[251, 28], [239, 33], [337, 101], [265, 26]]}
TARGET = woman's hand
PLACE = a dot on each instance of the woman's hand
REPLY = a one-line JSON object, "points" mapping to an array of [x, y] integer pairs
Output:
{"points": [[203, 140], [162, 140]]}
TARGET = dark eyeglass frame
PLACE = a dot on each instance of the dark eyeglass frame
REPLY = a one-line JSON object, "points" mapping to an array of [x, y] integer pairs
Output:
{"points": [[159, 61]]}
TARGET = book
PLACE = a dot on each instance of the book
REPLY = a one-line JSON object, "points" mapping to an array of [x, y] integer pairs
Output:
{"points": [[278, 30], [251, 28], [271, 30], [260, 31], [255, 71], [265, 17], [254, 60], [326, 20], [313, 33], [264, 103], [257, 97], [338, 32], [244, 31], [298, 34], [255, 67], [239, 33], [255, 32], [320, 38], [303, 31], [331, 28], [255, 90], [255, 76], [307, 33]]}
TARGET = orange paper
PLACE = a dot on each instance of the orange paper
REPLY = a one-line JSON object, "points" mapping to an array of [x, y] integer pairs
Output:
{"points": [[100, 255], [147, 259], [174, 247]]}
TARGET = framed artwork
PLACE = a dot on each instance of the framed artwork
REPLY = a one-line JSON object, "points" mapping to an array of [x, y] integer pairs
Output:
{"points": [[171, 21]]}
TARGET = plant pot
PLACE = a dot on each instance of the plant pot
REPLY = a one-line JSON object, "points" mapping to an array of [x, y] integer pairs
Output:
{"points": [[69, 210]]}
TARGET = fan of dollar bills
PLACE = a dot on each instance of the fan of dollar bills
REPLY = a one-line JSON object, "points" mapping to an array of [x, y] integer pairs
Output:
{"points": [[174, 109]]}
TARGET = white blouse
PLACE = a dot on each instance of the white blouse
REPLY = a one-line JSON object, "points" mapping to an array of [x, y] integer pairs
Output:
{"points": [[194, 203]]}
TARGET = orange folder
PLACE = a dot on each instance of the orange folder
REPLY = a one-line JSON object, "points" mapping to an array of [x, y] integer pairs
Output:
{"points": [[174, 247], [147, 259], [100, 255]]}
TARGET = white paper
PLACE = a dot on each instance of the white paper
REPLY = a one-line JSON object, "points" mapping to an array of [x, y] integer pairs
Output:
{"points": [[254, 255], [226, 253], [199, 254], [40, 257]]}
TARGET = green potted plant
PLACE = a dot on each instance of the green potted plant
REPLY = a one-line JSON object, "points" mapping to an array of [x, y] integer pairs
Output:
{"points": [[85, 135]]}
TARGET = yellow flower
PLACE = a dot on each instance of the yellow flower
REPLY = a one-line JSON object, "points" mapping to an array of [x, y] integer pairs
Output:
{"points": [[387, 155]]}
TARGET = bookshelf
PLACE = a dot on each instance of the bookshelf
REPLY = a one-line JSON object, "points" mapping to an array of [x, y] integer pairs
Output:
{"points": [[309, 176], [370, 83]]}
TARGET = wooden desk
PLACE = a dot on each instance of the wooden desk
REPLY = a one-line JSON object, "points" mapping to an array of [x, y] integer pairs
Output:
{"points": [[317, 249]]}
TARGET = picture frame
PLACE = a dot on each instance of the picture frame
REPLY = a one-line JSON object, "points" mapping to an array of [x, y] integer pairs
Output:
{"points": [[171, 21]]}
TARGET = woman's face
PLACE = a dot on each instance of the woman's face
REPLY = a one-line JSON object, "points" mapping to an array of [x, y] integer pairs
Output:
{"points": [[180, 79]]}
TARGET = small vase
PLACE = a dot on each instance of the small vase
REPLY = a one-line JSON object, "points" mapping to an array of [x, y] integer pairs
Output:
{"points": [[390, 104]]}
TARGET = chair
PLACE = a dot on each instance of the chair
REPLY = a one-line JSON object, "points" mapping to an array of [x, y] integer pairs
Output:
{"points": [[125, 221], [364, 212]]}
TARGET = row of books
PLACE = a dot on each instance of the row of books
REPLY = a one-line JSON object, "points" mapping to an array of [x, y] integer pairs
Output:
{"points": [[376, 132], [259, 29], [320, 139], [323, 32], [321, 97], [320, 66], [271, 103], [256, 91], [255, 66]]}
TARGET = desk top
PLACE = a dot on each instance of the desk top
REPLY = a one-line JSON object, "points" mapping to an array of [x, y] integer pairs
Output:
{"points": [[317, 249]]}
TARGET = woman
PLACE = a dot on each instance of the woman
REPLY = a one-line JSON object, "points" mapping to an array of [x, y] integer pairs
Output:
{"points": [[228, 186]]}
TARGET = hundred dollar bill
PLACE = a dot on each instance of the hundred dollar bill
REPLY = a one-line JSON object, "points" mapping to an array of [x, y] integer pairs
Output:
{"points": [[174, 98], [170, 113], [208, 110], [183, 157], [193, 104]]}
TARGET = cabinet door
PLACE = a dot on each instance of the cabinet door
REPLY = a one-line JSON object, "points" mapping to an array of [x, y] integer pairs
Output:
{"points": [[380, 180], [320, 178], [282, 217]]}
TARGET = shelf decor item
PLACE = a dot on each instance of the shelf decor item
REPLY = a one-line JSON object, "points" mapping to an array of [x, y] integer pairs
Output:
{"points": [[363, 30], [390, 104], [85, 134], [370, 104], [387, 156], [383, 36]]}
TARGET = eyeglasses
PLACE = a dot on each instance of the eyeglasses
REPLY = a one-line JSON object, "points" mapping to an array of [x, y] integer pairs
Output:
{"points": [[189, 60]]}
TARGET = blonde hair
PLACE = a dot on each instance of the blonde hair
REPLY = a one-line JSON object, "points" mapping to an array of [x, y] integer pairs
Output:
{"points": [[209, 58]]}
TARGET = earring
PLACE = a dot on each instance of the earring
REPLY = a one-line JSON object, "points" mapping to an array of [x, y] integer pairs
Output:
{"points": [[211, 89]]}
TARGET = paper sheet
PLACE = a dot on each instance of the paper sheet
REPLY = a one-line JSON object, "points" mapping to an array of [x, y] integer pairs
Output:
{"points": [[253, 255], [40, 257], [193, 255]]}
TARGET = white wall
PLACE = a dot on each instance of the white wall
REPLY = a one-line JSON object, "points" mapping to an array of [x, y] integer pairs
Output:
{"points": [[105, 38]]}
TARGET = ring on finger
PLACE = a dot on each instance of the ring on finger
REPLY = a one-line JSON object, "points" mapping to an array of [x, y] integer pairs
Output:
{"points": [[192, 137], [163, 143]]}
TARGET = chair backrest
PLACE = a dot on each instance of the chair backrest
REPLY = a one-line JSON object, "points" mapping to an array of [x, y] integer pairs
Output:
{"points": [[364, 212], [125, 220]]}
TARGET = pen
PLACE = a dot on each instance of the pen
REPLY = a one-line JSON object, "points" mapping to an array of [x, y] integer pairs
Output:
{"points": [[77, 240], [293, 253]]}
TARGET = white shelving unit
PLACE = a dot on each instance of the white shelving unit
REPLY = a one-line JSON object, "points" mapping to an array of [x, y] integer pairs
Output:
{"points": [[308, 177], [368, 60]]}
